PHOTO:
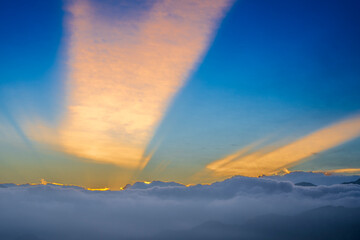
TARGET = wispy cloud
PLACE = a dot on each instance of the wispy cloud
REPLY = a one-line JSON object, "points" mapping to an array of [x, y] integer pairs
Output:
{"points": [[267, 160], [123, 73]]}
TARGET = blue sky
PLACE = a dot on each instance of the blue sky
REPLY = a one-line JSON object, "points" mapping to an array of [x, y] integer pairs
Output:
{"points": [[275, 68], [274, 72]]}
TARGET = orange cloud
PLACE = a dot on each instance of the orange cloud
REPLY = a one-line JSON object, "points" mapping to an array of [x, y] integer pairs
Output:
{"points": [[124, 72], [341, 171], [269, 161]]}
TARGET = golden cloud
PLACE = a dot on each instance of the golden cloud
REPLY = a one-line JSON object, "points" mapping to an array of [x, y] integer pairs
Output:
{"points": [[267, 160], [123, 73]]}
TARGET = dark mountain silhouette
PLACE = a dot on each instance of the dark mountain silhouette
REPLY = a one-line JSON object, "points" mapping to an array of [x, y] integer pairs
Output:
{"points": [[305, 184], [6, 185], [354, 182]]}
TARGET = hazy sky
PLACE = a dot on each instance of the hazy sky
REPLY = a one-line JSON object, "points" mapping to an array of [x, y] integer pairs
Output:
{"points": [[103, 93]]}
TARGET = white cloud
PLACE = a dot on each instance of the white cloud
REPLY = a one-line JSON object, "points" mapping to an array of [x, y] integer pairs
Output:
{"points": [[56, 212]]}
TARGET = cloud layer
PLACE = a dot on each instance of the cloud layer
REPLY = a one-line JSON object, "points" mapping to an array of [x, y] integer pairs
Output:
{"points": [[66, 212]]}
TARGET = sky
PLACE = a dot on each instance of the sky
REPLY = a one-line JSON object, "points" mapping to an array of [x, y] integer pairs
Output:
{"points": [[104, 93]]}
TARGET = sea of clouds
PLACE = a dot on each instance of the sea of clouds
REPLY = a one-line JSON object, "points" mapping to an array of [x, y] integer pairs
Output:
{"points": [[143, 210]]}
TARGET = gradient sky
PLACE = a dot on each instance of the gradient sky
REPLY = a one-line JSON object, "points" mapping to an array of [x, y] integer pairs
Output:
{"points": [[103, 93]]}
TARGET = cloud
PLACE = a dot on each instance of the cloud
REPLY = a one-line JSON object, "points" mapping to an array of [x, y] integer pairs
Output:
{"points": [[126, 62], [66, 212], [322, 223], [268, 160]]}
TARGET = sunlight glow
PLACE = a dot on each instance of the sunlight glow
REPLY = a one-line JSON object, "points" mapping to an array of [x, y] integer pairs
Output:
{"points": [[124, 73], [263, 161], [44, 182], [341, 171]]}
